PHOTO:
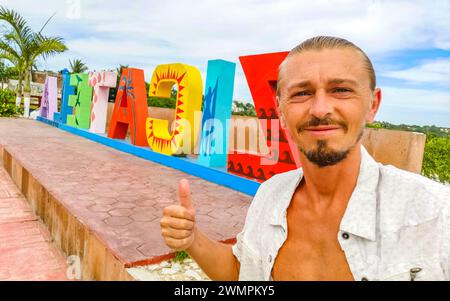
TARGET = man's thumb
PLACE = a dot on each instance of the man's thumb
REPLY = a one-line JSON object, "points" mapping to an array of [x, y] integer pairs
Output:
{"points": [[184, 193]]}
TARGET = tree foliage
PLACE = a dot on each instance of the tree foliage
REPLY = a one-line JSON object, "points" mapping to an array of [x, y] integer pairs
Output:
{"points": [[77, 66], [436, 160], [22, 46], [113, 91], [7, 105], [243, 109]]}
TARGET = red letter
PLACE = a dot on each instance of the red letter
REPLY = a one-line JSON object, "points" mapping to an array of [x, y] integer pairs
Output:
{"points": [[261, 72]]}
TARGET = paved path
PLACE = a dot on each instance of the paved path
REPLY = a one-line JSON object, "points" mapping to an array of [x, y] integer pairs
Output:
{"points": [[118, 195], [26, 248]]}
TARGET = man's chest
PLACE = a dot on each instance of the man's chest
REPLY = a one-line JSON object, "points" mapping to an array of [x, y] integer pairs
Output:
{"points": [[311, 250], [307, 258]]}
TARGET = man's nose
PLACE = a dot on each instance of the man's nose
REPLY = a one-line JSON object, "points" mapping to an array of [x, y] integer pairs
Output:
{"points": [[320, 105]]}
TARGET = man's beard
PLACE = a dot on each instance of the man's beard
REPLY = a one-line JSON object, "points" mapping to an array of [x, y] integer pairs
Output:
{"points": [[324, 156]]}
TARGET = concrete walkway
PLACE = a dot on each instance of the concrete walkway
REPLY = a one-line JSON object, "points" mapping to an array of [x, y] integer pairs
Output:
{"points": [[26, 248], [118, 196]]}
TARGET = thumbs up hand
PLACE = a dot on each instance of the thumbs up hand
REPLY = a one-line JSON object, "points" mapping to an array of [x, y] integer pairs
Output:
{"points": [[184, 193], [178, 221]]}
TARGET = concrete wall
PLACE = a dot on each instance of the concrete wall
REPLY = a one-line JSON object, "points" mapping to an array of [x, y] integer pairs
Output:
{"points": [[40, 76], [69, 234], [399, 148]]}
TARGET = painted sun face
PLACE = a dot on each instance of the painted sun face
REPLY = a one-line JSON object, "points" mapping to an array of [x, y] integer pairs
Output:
{"points": [[326, 99]]}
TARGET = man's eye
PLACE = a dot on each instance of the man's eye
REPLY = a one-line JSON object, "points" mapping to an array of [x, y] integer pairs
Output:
{"points": [[302, 93], [341, 90]]}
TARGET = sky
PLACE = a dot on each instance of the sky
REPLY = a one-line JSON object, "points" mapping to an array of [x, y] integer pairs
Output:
{"points": [[407, 41]]}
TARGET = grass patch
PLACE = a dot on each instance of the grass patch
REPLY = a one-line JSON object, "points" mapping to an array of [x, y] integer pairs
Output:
{"points": [[180, 256]]}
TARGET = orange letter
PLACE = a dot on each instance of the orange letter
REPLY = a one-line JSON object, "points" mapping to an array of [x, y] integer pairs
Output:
{"points": [[130, 108]]}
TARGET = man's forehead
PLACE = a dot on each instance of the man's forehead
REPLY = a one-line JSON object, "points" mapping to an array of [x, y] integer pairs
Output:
{"points": [[331, 62]]}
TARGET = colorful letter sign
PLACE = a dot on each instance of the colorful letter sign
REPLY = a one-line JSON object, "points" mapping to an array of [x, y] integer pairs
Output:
{"points": [[66, 91], [261, 72], [189, 99], [182, 136], [130, 109], [101, 82], [49, 101], [81, 102], [216, 112]]}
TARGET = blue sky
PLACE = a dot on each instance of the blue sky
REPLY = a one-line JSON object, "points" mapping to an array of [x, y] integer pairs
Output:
{"points": [[408, 41]]}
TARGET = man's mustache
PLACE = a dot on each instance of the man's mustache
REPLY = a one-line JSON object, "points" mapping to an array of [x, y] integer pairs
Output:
{"points": [[315, 121]]}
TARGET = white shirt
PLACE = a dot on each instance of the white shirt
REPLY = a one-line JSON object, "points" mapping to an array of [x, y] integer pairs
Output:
{"points": [[395, 221]]}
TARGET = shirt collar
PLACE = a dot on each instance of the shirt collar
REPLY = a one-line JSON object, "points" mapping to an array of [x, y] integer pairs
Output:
{"points": [[360, 214], [278, 217]]}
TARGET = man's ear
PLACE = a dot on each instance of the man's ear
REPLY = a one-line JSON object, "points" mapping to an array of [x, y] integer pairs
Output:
{"points": [[375, 105]]}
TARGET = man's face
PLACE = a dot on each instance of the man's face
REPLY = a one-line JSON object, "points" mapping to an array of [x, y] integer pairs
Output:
{"points": [[325, 101]]}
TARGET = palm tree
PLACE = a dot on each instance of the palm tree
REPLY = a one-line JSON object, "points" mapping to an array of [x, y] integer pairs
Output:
{"points": [[10, 52], [78, 66], [22, 47], [113, 91], [120, 68]]}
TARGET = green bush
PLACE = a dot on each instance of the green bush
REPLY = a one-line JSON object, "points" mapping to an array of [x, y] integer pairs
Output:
{"points": [[7, 96], [7, 104], [436, 160], [243, 109], [161, 102]]}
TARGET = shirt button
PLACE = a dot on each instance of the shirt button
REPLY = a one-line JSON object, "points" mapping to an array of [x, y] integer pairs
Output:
{"points": [[270, 258], [364, 279], [345, 235]]}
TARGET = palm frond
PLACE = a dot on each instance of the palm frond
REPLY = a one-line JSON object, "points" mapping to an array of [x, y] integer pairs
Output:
{"points": [[7, 49], [47, 46], [46, 22], [77, 66], [20, 30], [22, 46]]}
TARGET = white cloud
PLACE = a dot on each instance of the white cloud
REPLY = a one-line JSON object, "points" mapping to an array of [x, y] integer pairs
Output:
{"points": [[435, 71], [235, 27], [418, 99], [415, 106]]}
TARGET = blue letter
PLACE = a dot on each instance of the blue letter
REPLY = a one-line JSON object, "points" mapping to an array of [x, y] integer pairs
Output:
{"points": [[216, 112]]}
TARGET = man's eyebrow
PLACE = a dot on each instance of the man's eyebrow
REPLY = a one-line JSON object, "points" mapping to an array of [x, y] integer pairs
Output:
{"points": [[300, 84], [342, 81], [335, 81]]}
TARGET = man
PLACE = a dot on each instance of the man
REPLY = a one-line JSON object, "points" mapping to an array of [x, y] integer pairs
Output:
{"points": [[342, 216]]}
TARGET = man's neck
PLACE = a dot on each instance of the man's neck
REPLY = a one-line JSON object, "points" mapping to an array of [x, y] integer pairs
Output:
{"points": [[330, 186]]}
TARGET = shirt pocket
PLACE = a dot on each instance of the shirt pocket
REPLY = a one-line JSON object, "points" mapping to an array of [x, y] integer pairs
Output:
{"points": [[429, 270], [269, 251]]}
